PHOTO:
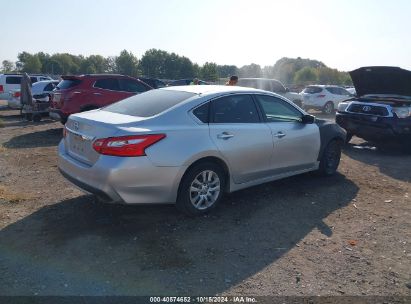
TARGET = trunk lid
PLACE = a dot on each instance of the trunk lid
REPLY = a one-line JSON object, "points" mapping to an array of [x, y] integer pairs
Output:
{"points": [[84, 128], [381, 80]]}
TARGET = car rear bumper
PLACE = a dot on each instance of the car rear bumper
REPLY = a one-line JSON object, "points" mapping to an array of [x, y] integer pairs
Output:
{"points": [[14, 103], [123, 180], [374, 128]]}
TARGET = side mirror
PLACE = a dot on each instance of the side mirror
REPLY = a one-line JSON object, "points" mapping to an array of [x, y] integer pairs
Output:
{"points": [[308, 119], [287, 90]]}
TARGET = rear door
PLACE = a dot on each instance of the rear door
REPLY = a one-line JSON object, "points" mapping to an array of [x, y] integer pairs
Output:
{"points": [[243, 140], [107, 91], [296, 145]]}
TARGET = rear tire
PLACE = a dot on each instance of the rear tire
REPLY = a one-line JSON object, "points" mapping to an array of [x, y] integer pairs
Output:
{"points": [[330, 159], [201, 189], [328, 108], [36, 117]]}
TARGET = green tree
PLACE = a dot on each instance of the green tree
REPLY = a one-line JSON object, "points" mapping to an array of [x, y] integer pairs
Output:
{"points": [[29, 63], [226, 70], [127, 64], [306, 75], [93, 64], [8, 66], [252, 70], [209, 71]]}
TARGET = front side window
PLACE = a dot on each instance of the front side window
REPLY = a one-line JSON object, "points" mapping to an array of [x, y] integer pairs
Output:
{"points": [[276, 109], [129, 85], [235, 109], [108, 84]]}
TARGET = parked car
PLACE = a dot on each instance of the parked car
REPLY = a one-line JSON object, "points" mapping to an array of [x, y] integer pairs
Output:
{"points": [[183, 82], [87, 92], [351, 90], [382, 110], [324, 97], [270, 85], [153, 82], [40, 90], [191, 144], [11, 82]]}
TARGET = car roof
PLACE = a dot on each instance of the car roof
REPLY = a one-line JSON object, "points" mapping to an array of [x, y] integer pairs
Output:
{"points": [[212, 89]]}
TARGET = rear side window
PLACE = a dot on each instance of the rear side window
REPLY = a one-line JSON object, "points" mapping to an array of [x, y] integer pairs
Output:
{"points": [[333, 90], [13, 79], [312, 90], [149, 103], [68, 83], [130, 85], [202, 112], [235, 109], [107, 84]]}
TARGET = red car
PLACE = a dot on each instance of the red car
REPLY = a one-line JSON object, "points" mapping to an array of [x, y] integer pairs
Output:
{"points": [[88, 92]]}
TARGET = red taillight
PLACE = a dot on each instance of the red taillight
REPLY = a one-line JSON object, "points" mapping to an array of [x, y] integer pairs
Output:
{"points": [[16, 94], [1, 89], [134, 145], [320, 96]]}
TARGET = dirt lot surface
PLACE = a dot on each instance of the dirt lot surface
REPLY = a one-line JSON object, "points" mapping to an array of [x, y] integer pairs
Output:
{"points": [[345, 235]]}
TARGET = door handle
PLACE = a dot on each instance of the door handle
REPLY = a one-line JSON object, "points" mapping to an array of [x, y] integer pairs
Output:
{"points": [[279, 135], [225, 135], [98, 94]]}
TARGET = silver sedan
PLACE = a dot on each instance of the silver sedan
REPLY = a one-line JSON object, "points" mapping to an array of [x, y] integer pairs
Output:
{"points": [[189, 145]]}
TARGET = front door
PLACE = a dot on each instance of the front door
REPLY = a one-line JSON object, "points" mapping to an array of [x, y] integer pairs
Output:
{"points": [[296, 145]]}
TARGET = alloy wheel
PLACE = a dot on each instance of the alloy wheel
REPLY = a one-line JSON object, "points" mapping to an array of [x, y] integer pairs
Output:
{"points": [[204, 189]]}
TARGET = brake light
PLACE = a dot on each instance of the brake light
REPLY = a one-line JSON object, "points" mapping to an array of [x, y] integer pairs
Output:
{"points": [[134, 145], [16, 94], [1, 89], [320, 96]]}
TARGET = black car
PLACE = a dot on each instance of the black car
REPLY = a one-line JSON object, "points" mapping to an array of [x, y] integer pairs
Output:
{"points": [[381, 112], [182, 82], [153, 82]]}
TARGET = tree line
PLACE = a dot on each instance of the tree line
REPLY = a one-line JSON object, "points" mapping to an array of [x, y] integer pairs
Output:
{"points": [[164, 65]]}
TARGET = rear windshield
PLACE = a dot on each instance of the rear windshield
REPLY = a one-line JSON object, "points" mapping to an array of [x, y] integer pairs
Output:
{"points": [[149, 103], [312, 90], [13, 79], [68, 83]]}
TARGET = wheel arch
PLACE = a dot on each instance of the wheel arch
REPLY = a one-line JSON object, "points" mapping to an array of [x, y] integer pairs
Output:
{"points": [[213, 159]]}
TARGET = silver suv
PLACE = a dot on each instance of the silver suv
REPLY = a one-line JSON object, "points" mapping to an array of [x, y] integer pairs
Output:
{"points": [[191, 144]]}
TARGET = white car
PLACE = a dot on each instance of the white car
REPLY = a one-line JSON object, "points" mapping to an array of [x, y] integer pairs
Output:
{"points": [[324, 97], [40, 90], [11, 82]]}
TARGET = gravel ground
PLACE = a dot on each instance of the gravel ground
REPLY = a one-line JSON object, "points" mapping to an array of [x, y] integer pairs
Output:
{"points": [[349, 234]]}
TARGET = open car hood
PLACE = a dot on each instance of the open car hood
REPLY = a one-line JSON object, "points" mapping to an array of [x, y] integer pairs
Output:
{"points": [[381, 80]]}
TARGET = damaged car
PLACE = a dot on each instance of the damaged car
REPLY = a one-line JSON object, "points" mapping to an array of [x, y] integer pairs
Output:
{"points": [[381, 112]]}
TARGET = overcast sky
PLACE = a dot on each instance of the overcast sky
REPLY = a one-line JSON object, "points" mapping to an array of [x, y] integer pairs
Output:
{"points": [[342, 34]]}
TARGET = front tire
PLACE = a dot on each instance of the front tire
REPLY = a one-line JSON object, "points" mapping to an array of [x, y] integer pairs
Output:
{"points": [[201, 189], [330, 159]]}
